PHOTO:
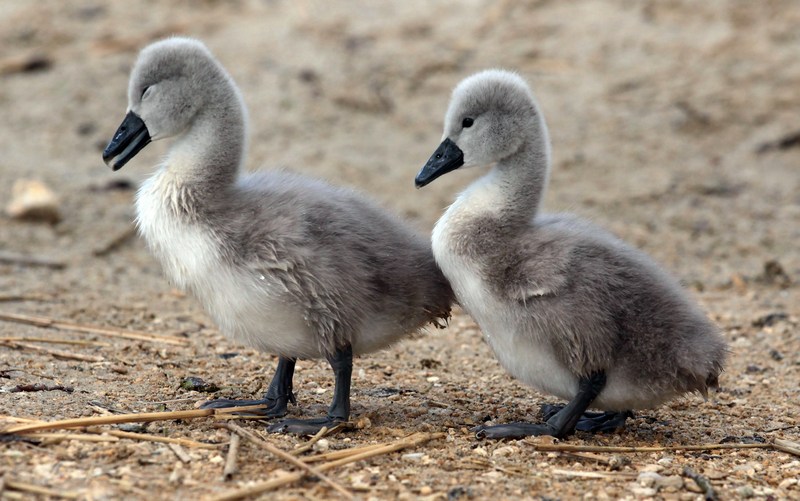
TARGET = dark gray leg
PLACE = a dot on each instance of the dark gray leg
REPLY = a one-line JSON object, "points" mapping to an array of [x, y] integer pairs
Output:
{"points": [[592, 422], [275, 401], [559, 425], [339, 411]]}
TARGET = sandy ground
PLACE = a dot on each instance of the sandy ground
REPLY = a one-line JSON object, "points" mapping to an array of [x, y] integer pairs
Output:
{"points": [[667, 120]]}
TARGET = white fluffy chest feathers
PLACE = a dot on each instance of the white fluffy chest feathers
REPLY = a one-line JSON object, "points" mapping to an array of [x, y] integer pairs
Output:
{"points": [[187, 251], [461, 270]]}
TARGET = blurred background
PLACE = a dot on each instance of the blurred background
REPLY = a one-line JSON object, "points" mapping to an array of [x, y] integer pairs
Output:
{"points": [[674, 123]]}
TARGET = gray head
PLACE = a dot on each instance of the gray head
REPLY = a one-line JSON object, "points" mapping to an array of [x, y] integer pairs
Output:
{"points": [[492, 116], [172, 82]]}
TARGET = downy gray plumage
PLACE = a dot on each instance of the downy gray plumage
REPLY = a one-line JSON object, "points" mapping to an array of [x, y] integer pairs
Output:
{"points": [[284, 263], [567, 308]]}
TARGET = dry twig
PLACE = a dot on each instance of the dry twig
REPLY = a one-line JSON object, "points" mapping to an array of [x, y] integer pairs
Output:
{"points": [[333, 455], [43, 491], [30, 260], [143, 417], [702, 482], [76, 342], [40, 387], [777, 445], [601, 448], [357, 455], [787, 446], [55, 353], [121, 434], [178, 450], [287, 457], [622, 475], [591, 457], [23, 297], [230, 461], [306, 446], [114, 242], [91, 329], [80, 437], [155, 438]]}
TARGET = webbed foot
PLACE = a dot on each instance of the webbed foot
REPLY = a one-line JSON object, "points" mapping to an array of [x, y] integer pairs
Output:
{"points": [[275, 402], [272, 407], [304, 426], [513, 430], [592, 422], [559, 424]]}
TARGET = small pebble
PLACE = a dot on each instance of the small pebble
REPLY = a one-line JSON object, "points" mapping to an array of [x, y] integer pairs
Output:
{"points": [[425, 490], [322, 445], [480, 451], [508, 450], [648, 478], [413, 456]]}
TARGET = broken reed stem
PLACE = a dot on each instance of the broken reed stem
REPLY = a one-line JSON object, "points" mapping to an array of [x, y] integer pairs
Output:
{"points": [[230, 461], [31, 260], [35, 489], [115, 242], [275, 451], [58, 437], [601, 448], [155, 438], [358, 454], [590, 456], [143, 417], [143, 437], [91, 329], [55, 353], [330, 456], [777, 444], [702, 482], [306, 446], [23, 297], [178, 450], [52, 341], [595, 474], [787, 446]]}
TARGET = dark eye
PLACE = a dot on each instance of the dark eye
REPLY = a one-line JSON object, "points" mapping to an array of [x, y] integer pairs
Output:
{"points": [[144, 91], [467, 122]]}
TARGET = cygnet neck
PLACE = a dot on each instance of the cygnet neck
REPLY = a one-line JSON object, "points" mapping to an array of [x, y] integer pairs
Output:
{"points": [[522, 178], [209, 154]]}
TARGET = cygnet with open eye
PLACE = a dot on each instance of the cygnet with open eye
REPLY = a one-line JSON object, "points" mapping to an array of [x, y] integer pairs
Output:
{"points": [[567, 308]]}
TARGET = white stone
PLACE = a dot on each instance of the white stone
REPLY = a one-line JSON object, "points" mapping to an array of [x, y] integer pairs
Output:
{"points": [[33, 200], [321, 445]]}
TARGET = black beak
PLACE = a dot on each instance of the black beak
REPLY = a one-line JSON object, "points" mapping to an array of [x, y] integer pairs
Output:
{"points": [[130, 138], [447, 157]]}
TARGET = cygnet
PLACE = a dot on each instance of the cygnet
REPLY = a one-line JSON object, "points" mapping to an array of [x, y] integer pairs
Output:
{"points": [[567, 308], [284, 263]]}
